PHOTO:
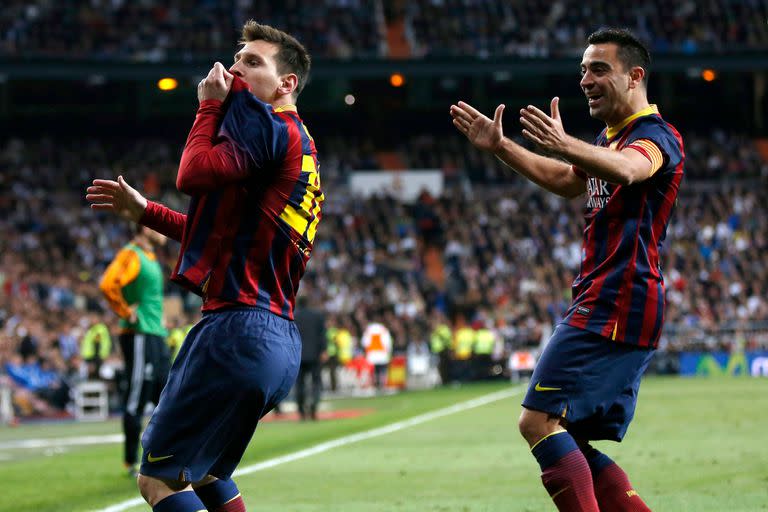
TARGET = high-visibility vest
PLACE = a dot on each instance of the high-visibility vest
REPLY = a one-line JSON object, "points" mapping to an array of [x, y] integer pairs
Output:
{"points": [[332, 348], [344, 345], [463, 342], [440, 339], [484, 341], [175, 339], [96, 333]]}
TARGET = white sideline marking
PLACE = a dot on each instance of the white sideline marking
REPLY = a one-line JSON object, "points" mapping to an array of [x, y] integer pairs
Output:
{"points": [[352, 438], [61, 441]]}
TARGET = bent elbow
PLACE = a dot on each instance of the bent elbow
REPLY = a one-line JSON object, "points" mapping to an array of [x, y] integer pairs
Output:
{"points": [[188, 185], [105, 289], [183, 185], [633, 176]]}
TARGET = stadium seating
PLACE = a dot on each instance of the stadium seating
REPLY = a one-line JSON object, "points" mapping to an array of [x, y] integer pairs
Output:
{"points": [[508, 258], [183, 30]]}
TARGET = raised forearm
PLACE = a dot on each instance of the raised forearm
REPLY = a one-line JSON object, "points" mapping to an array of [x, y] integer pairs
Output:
{"points": [[548, 173], [164, 220], [623, 168], [204, 164]]}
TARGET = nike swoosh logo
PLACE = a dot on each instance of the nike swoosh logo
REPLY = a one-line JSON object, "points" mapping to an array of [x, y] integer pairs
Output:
{"points": [[150, 458], [539, 387]]}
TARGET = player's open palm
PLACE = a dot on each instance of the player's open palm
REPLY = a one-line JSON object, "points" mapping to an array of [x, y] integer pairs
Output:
{"points": [[117, 197], [545, 130], [483, 132]]}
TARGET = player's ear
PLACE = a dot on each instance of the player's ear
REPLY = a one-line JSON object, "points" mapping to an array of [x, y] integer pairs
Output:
{"points": [[636, 75], [288, 84]]}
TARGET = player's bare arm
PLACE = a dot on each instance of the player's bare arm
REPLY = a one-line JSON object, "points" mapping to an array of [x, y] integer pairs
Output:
{"points": [[488, 134], [622, 167], [117, 197]]}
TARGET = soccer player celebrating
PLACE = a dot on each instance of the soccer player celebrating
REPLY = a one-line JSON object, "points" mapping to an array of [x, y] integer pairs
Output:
{"points": [[586, 382], [133, 286], [251, 170]]}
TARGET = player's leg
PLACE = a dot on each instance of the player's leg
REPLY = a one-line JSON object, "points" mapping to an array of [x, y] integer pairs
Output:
{"points": [[380, 375], [317, 386], [132, 346], [613, 489], [602, 408], [219, 495], [301, 391], [333, 365], [169, 495], [564, 470], [169, 440], [233, 368], [266, 369], [612, 486]]}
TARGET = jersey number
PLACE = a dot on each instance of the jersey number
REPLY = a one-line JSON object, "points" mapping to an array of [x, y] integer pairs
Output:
{"points": [[303, 218]]}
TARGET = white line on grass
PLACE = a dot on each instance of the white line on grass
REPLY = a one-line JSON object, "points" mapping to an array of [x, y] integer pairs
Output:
{"points": [[61, 441], [353, 438]]}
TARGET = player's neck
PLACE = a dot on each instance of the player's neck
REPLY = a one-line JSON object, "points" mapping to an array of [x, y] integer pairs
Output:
{"points": [[630, 109], [142, 242]]}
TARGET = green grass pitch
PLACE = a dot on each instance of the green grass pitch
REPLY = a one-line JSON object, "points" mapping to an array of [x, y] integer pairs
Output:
{"points": [[695, 445]]}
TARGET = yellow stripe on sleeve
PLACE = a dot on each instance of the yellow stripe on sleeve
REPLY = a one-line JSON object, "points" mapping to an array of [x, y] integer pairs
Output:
{"points": [[653, 151]]}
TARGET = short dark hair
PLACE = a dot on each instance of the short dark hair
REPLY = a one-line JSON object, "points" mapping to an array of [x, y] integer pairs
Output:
{"points": [[291, 57], [632, 52]]}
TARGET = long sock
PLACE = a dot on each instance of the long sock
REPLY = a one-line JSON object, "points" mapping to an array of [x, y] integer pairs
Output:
{"points": [[565, 473], [612, 487], [185, 501], [221, 496]]}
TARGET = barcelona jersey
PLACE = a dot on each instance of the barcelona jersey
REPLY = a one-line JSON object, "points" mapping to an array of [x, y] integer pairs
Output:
{"points": [[619, 291], [252, 173]]}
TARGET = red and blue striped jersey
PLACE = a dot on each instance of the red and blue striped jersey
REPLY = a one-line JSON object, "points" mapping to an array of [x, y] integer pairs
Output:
{"points": [[619, 291], [253, 175]]}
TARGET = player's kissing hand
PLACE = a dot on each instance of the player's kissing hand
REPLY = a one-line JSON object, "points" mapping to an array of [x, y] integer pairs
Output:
{"points": [[216, 85]]}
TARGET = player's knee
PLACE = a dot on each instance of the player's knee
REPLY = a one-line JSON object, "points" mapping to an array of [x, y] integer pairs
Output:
{"points": [[153, 490], [526, 427], [534, 425]]}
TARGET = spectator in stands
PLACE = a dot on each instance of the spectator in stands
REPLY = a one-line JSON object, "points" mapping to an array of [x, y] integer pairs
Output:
{"points": [[506, 243]]}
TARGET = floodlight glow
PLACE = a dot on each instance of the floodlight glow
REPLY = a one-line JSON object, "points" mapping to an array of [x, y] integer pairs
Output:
{"points": [[167, 84]]}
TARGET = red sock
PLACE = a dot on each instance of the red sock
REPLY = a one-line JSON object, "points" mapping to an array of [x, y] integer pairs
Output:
{"points": [[236, 504], [569, 483], [615, 493]]}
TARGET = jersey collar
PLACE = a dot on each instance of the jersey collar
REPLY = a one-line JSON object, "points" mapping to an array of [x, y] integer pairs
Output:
{"points": [[613, 130], [286, 108]]}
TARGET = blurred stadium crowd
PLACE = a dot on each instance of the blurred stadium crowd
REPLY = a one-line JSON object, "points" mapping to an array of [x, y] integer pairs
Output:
{"points": [[491, 252], [154, 30]]}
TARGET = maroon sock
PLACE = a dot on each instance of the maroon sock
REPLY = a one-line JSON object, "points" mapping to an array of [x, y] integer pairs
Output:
{"points": [[615, 493], [565, 473], [569, 483], [234, 505]]}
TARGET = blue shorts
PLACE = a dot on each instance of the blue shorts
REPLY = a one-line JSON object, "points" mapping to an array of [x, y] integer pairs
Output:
{"points": [[235, 365], [588, 380]]}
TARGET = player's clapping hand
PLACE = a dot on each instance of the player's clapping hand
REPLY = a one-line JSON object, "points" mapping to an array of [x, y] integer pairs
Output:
{"points": [[117, 197], [483, 132], [216, 85], [546, 131]]}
